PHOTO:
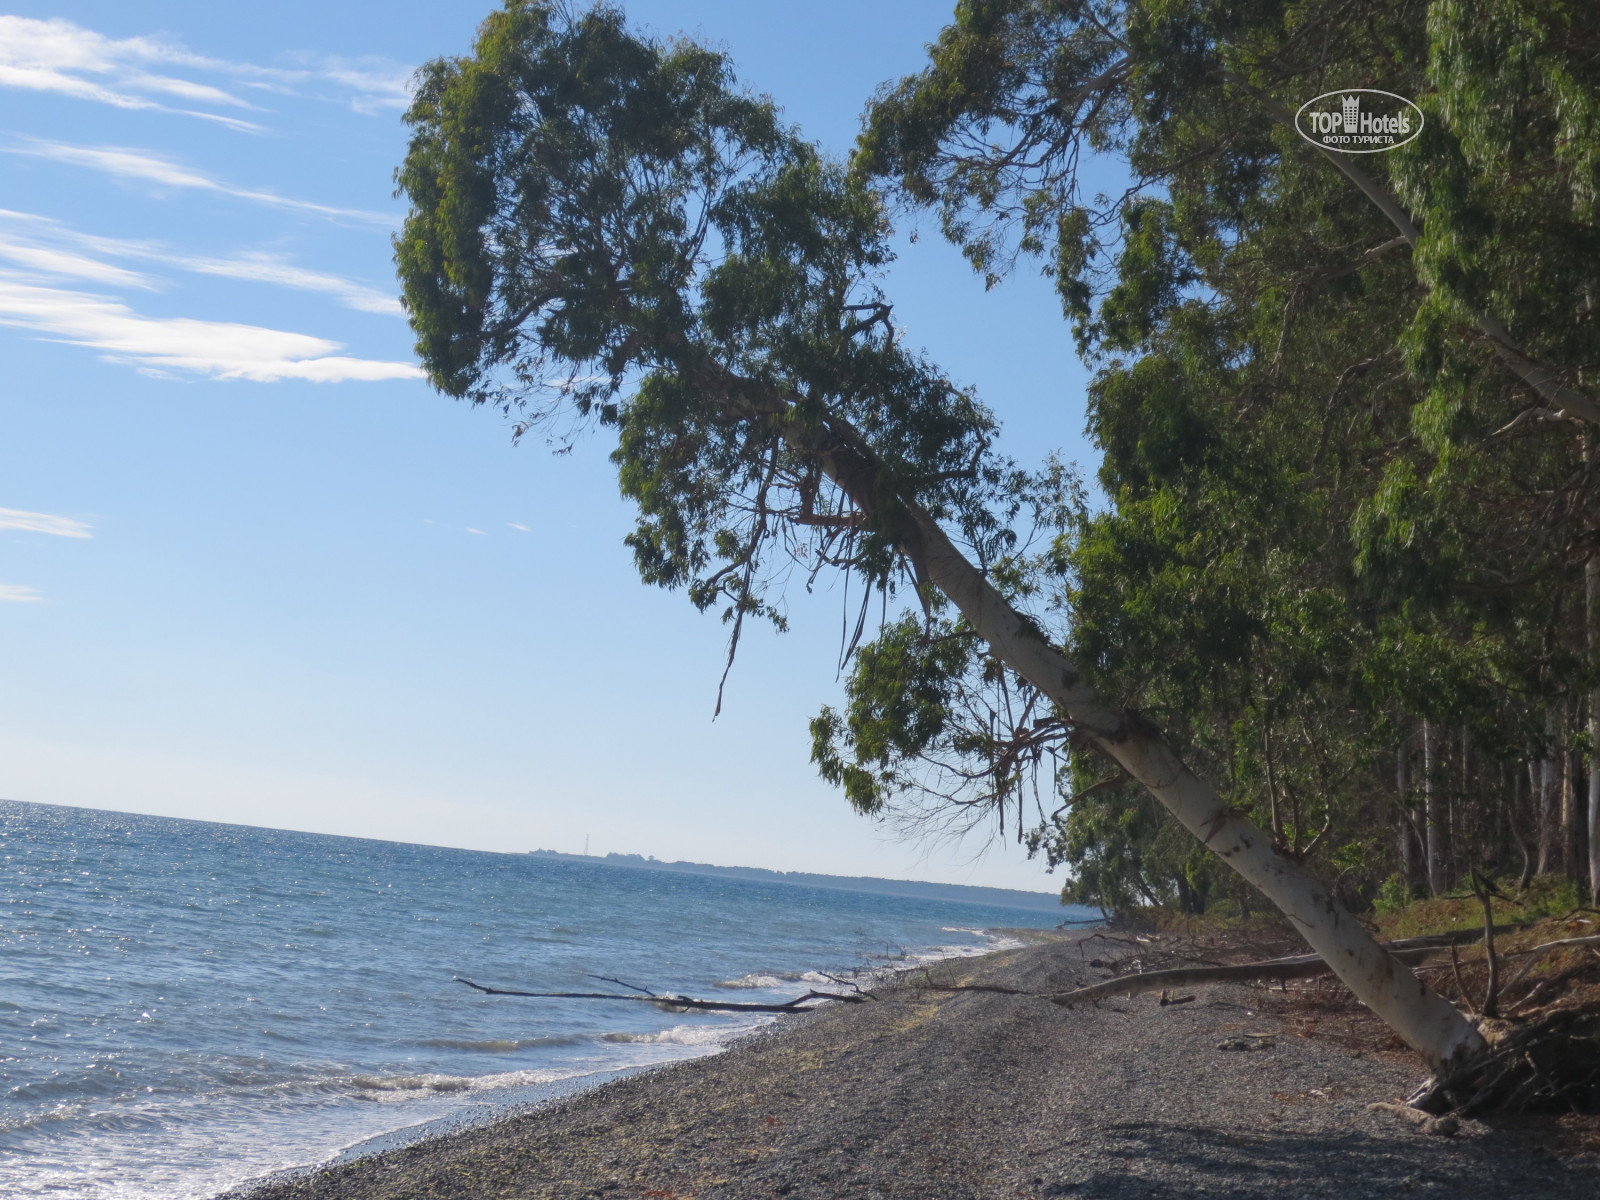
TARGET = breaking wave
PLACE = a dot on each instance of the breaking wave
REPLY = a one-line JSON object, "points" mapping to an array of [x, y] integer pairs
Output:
{"points": [[678, 1035], [499, 1045]]}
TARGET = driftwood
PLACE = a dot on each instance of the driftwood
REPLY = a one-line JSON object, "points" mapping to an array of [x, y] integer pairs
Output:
{"points": [[678, 1003], [1299, 966], [1551, 1062], [1564, 942]]}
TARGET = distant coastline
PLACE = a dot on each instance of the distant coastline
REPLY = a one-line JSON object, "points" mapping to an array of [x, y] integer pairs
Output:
{"points": [[958, 893]]}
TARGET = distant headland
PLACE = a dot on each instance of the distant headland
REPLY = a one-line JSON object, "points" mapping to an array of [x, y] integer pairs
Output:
{"points": [[958, 892]]}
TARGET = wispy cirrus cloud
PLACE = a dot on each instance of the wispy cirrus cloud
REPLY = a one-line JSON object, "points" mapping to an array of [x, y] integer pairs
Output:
{"points": [[371, 84], [38, 522], [124, 163], [60, 263], [183, 345], [64, 58], [52, 249], [258, 267]]}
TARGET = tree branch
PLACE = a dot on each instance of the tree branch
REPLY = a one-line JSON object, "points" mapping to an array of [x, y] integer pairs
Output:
{"points": [[675, 1003], [1300, 966], [1541, 379]]}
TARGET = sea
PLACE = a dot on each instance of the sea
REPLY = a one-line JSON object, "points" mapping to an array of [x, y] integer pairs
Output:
{"points": [[186, 1007]]}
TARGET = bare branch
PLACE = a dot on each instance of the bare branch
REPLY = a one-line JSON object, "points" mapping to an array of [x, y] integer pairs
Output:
{"points": [[675, 1003]]}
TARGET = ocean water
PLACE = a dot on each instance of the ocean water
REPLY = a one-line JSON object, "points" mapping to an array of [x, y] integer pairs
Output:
{"points": [[187, 1006]]}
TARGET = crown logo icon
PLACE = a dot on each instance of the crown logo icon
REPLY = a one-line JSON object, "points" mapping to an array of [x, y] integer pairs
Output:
{"points": [[1352, 112]]}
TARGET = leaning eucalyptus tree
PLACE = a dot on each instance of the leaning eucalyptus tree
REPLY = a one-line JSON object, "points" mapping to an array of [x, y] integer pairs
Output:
{"points": [[1400, 345], [604, 229]]}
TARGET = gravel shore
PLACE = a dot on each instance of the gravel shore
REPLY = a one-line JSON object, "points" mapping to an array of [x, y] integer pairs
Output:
{"points": [[956, 1095]]}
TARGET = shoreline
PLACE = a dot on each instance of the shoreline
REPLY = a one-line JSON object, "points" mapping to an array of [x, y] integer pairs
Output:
{"points": [[974, 1094], [475, 1116], [529, 1099]]}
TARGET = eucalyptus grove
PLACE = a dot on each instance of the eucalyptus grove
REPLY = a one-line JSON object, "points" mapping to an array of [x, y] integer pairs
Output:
{"points": [[606, 229], [1349, 559]]}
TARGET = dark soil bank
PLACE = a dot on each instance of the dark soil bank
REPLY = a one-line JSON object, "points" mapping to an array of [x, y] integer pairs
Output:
{"points": [[981, 1095]]}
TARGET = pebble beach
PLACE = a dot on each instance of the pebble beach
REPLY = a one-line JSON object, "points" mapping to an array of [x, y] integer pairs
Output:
{"points": [[978, 1094]]}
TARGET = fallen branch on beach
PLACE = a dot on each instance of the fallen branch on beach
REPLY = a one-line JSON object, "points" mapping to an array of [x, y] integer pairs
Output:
{"points": [[1564, 942], [679, 1003], [1300, 966]]}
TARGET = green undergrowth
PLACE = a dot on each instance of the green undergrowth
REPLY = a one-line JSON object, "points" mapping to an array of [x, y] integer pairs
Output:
{"points": [[1394, 915], [1545, 897], [1220, 920]]}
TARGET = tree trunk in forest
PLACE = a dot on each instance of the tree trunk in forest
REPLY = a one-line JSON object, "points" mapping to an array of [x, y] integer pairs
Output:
{"points": [[1433, 813], [1549, 859], [1407, 830], [1530, 851], [1594, 838], [1568, 857], [1505, 799], [1425, 1021], [1460, 810], [1591, 582]]}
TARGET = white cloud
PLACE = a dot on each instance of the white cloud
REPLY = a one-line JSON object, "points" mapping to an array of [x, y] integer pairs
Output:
{"points": [[515, 525], [123, 163], [64, 264], [61, 57], [19, 593], [52, 81], [166, 345], [374, 84], [50, 248], [258, 267], [37, 522], [479, 532]]}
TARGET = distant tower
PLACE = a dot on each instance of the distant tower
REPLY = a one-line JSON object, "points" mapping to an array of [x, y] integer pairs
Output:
{"points": [[1352, 112]]}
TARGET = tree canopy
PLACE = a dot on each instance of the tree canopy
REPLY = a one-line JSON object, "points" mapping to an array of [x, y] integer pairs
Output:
{"points": [[605, 229], [1345, 555]]}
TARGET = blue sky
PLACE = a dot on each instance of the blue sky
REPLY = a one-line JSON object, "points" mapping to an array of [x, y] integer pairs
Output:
{"points": [[252, 569]]}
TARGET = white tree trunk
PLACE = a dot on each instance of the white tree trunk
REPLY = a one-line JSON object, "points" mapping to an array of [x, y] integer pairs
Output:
{"points": [[1591, 580], [1594, 805], [1408, 840], [1547, 796], [1425, 1021], [1437, 882]]}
